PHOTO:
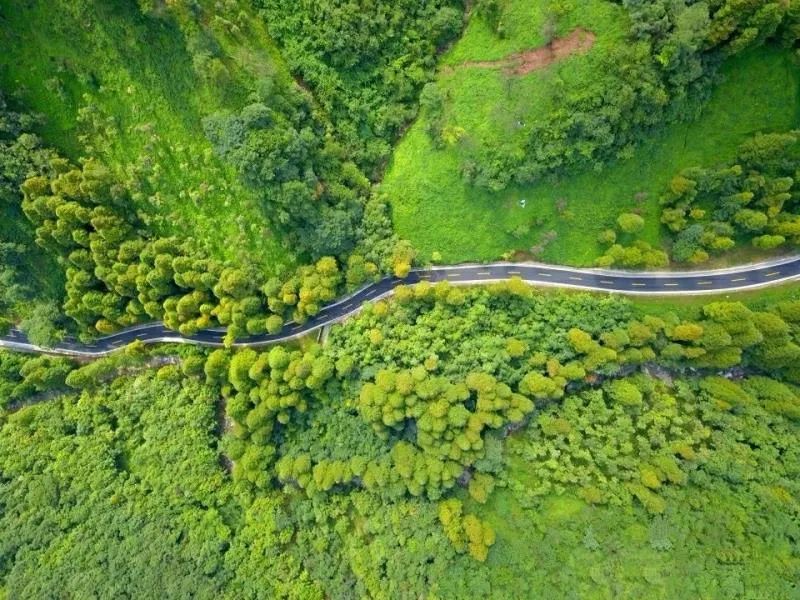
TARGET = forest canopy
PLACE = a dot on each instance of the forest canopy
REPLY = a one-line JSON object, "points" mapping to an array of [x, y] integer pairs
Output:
{"points": [[395, 460], [233, 166]]}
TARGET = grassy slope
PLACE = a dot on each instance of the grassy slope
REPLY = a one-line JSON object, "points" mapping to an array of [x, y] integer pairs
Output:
{"points": [[59, 57], [437, 212], [689, 306]]}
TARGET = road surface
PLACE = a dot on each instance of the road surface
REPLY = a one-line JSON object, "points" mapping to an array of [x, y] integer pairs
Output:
{"points": [[624, 282]]}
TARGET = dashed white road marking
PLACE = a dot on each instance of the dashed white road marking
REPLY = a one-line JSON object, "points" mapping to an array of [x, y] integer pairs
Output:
{"points": [[772, 274]]}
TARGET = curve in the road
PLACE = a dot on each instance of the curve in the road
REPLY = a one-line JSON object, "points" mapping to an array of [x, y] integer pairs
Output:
{"points": [[624, 282]]}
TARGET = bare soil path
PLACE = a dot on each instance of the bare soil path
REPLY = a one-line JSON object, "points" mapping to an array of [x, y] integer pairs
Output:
{"points": [[527, 61]]}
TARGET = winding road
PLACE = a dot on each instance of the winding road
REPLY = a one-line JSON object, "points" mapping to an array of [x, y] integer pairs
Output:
{"points": [[624, 282]]}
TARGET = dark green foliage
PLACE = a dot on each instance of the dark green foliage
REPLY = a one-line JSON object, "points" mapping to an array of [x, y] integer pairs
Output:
{"points": [[42, 325], [281, 150], [23, 377], [125, 485], [707, 530], [25, 270], [400, 403], [448, 329], [84, 493], [575, 445], [623, 442], [449, 421], [365, 63], [118, 275]]}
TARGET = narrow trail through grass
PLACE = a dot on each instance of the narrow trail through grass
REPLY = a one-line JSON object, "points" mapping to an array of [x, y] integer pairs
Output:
{"points": [[527, 61]]}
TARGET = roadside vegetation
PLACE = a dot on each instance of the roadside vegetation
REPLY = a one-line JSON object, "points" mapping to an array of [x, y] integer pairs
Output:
{"points": [[230, 164], [175, 177], [408, 454], [559, 217]]}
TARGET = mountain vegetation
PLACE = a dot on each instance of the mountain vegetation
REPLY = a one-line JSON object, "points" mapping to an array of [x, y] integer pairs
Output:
{"points": [[243, 163], [404, 456]]}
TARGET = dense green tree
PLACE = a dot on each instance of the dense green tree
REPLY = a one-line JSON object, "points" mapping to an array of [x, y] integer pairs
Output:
{"points": [[365, 63], [751, 199]]}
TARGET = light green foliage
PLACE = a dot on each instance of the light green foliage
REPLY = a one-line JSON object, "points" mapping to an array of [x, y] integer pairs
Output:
{"points": [[308, 290], [481, 486], [774, 396], [630, 223], [26, 271], [730, 334], [724, 393], [116, 277], [348, 473], [132, 90], [95, 374], [266, 390], [541, 387], [42, 324], [749, 199], [638, 254], [625, 393], [613, 440], [465, 532], [449, 434], [661, 74], [405, 458], [23, 377], [463, 337], [757, 92], [108, 494], [140, 229]]}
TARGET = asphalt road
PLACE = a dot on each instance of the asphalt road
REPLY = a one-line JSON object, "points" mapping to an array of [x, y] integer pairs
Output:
{"points": [[624, 282]]}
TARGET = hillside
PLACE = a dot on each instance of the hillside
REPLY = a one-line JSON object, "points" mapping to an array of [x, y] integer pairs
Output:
{"points": [[239, 357]]}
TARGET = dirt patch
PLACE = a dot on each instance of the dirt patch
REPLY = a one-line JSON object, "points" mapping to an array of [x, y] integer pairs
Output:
{"points": [[522, 63]]}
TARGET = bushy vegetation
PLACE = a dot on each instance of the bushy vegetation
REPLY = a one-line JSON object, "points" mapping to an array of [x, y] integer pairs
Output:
{"points": [[131, 91], [715, 504], [559, 218], [26, 272], [405, 457], [365, 63], [753, 200], [662, 74], [450, 442], [103, 215]]}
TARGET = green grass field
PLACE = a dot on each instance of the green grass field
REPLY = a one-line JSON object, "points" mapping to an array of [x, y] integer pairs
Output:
{"points": [[113, 83], [436, 210]]}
